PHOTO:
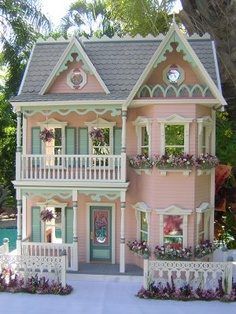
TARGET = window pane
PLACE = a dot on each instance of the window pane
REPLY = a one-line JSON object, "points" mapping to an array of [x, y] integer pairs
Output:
{"points": [[58, 133], [143, 236], [173, 225], [173, 242], [144, 151], [143, 222], [144, 136], [174, 134], [174, 150]]}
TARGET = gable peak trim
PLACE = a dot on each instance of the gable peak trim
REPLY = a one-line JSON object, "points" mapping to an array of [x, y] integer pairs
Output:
{"points": [[74, 43]]}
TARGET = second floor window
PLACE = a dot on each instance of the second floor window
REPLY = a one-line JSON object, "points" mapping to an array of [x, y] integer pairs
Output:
{"points": [[174, 139], [54, 147], [144, 141], [102, 147]]}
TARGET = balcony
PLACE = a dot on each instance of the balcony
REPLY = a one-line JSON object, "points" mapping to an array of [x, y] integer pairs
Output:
{"points": [[108, 168]]}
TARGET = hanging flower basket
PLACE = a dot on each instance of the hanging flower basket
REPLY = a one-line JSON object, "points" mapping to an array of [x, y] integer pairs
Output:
{"points": [[46, 135], [97, 134], [46, 215]]}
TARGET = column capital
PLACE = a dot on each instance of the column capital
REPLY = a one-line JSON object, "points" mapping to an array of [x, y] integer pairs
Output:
{"points": [[122, 240], [74, 204], [18, 114], [123, 205], [19, 203], [124, 113]]}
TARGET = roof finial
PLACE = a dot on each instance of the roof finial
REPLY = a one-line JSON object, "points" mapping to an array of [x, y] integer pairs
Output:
{"points": [[173, 20]]}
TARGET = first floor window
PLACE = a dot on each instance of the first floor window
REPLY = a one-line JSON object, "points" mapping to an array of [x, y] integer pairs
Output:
{"points": [[143, 227], [173, 231], [174, 139]]}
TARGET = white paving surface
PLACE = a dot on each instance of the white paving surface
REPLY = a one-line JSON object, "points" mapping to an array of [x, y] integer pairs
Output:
{"points": [[105, 295]]}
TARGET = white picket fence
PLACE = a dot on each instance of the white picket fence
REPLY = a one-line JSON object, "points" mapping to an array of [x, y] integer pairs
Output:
{"points": [[51, 267], [38, 249], [203, 274]]}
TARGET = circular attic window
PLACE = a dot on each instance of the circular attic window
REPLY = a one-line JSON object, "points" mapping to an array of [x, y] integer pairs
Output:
{"points": [[173, 74], [76, 78]]}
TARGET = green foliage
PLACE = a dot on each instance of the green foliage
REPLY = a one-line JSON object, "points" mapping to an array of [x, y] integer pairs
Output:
{"points": [[89, 18], [141, 16], [225, 139]]}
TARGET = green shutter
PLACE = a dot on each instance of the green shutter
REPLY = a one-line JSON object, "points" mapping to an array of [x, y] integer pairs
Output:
{"points": [[83, 141], [70, 141], [117, 141], [69, 224], [36, 142], [35, 224]]}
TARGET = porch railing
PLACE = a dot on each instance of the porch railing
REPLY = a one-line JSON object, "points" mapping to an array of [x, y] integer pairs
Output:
{"points": [[52, 249], [73, 167]]}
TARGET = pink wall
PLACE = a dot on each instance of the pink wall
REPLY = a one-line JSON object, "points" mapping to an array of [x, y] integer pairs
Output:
{"points": [[60, 83]]}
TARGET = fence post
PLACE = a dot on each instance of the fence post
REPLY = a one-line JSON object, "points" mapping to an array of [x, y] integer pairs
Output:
{"points": [[63, 268], [145, 272], [228, 276], [6, 245]]}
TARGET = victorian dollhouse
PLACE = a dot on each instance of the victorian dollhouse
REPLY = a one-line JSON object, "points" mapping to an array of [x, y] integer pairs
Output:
{"points": [[84, 107]]}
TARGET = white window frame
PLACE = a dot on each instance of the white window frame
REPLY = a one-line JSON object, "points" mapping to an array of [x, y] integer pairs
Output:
{"points": [[55, 204], [101, 123], [139, 123], [175, 120], [142, 207], [206, 210], [174, 211], [207, 123], [52, 124]]}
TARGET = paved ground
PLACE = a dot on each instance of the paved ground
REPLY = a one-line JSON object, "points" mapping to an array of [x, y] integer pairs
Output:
{"points": [[105, 295]]}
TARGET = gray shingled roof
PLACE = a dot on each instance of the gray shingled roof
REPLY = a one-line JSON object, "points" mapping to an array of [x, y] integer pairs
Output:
{"points": [[119, 63]]}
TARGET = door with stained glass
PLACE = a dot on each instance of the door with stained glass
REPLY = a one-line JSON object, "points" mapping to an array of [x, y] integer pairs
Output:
{"points": [[100, 233]]}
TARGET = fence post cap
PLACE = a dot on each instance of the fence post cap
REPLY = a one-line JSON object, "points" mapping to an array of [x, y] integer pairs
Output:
{"points": [[5, 240]]}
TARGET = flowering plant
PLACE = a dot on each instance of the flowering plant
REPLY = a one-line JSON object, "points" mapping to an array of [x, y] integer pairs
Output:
{"points": [[97, 134], [183, 161], [168, 253], [141, 248], [140, 162], [46, 135], [206, 161], [46, 215], [204, 248]]}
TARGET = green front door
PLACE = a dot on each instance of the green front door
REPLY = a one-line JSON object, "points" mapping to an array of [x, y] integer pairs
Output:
{"points": [[100, 233]]}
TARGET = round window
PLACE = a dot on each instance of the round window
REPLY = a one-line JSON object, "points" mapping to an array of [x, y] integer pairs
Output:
{"points": [[173, 74], [76, 78]]}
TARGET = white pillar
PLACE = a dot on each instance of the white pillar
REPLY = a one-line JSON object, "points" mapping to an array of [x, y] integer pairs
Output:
{"points": [[122, 231], [24, 135], [19, 221], [18, 146], [123, 146], [75, 229]]}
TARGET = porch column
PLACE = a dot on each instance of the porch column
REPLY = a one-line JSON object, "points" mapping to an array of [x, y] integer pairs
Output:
{"points": [[75, 229], [122, 231], [19, 221], [18, 146], [123, 146]]}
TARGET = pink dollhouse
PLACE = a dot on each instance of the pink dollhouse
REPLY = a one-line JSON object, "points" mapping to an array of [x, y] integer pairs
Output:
{"points": [[85, 109]]}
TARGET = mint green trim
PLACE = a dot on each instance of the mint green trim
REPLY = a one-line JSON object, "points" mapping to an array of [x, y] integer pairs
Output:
{"points": [[35, 224], [117, 140], [69, 224], [36, 144], [69, 59], [83, 140], [70, 140]]}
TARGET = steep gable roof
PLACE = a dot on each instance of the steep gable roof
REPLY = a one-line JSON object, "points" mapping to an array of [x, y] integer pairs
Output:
{"points": [[119, 62], [73, 46], [174, 34]]}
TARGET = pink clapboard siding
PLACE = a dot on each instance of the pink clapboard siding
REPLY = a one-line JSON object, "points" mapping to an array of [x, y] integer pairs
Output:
{"points": [[60, 83]]}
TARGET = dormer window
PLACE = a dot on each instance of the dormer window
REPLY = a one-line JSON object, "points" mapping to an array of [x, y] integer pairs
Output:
{"points": [[77, 78]]}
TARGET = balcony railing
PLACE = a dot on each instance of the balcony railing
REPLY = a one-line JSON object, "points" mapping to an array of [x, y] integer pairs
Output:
{"points": [[73, 167]]}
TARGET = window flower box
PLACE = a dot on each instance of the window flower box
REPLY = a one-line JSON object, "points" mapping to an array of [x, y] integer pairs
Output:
{"points": [[140, 162], [206, 162], [170, 253], [205, 248], [140, 248]]}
